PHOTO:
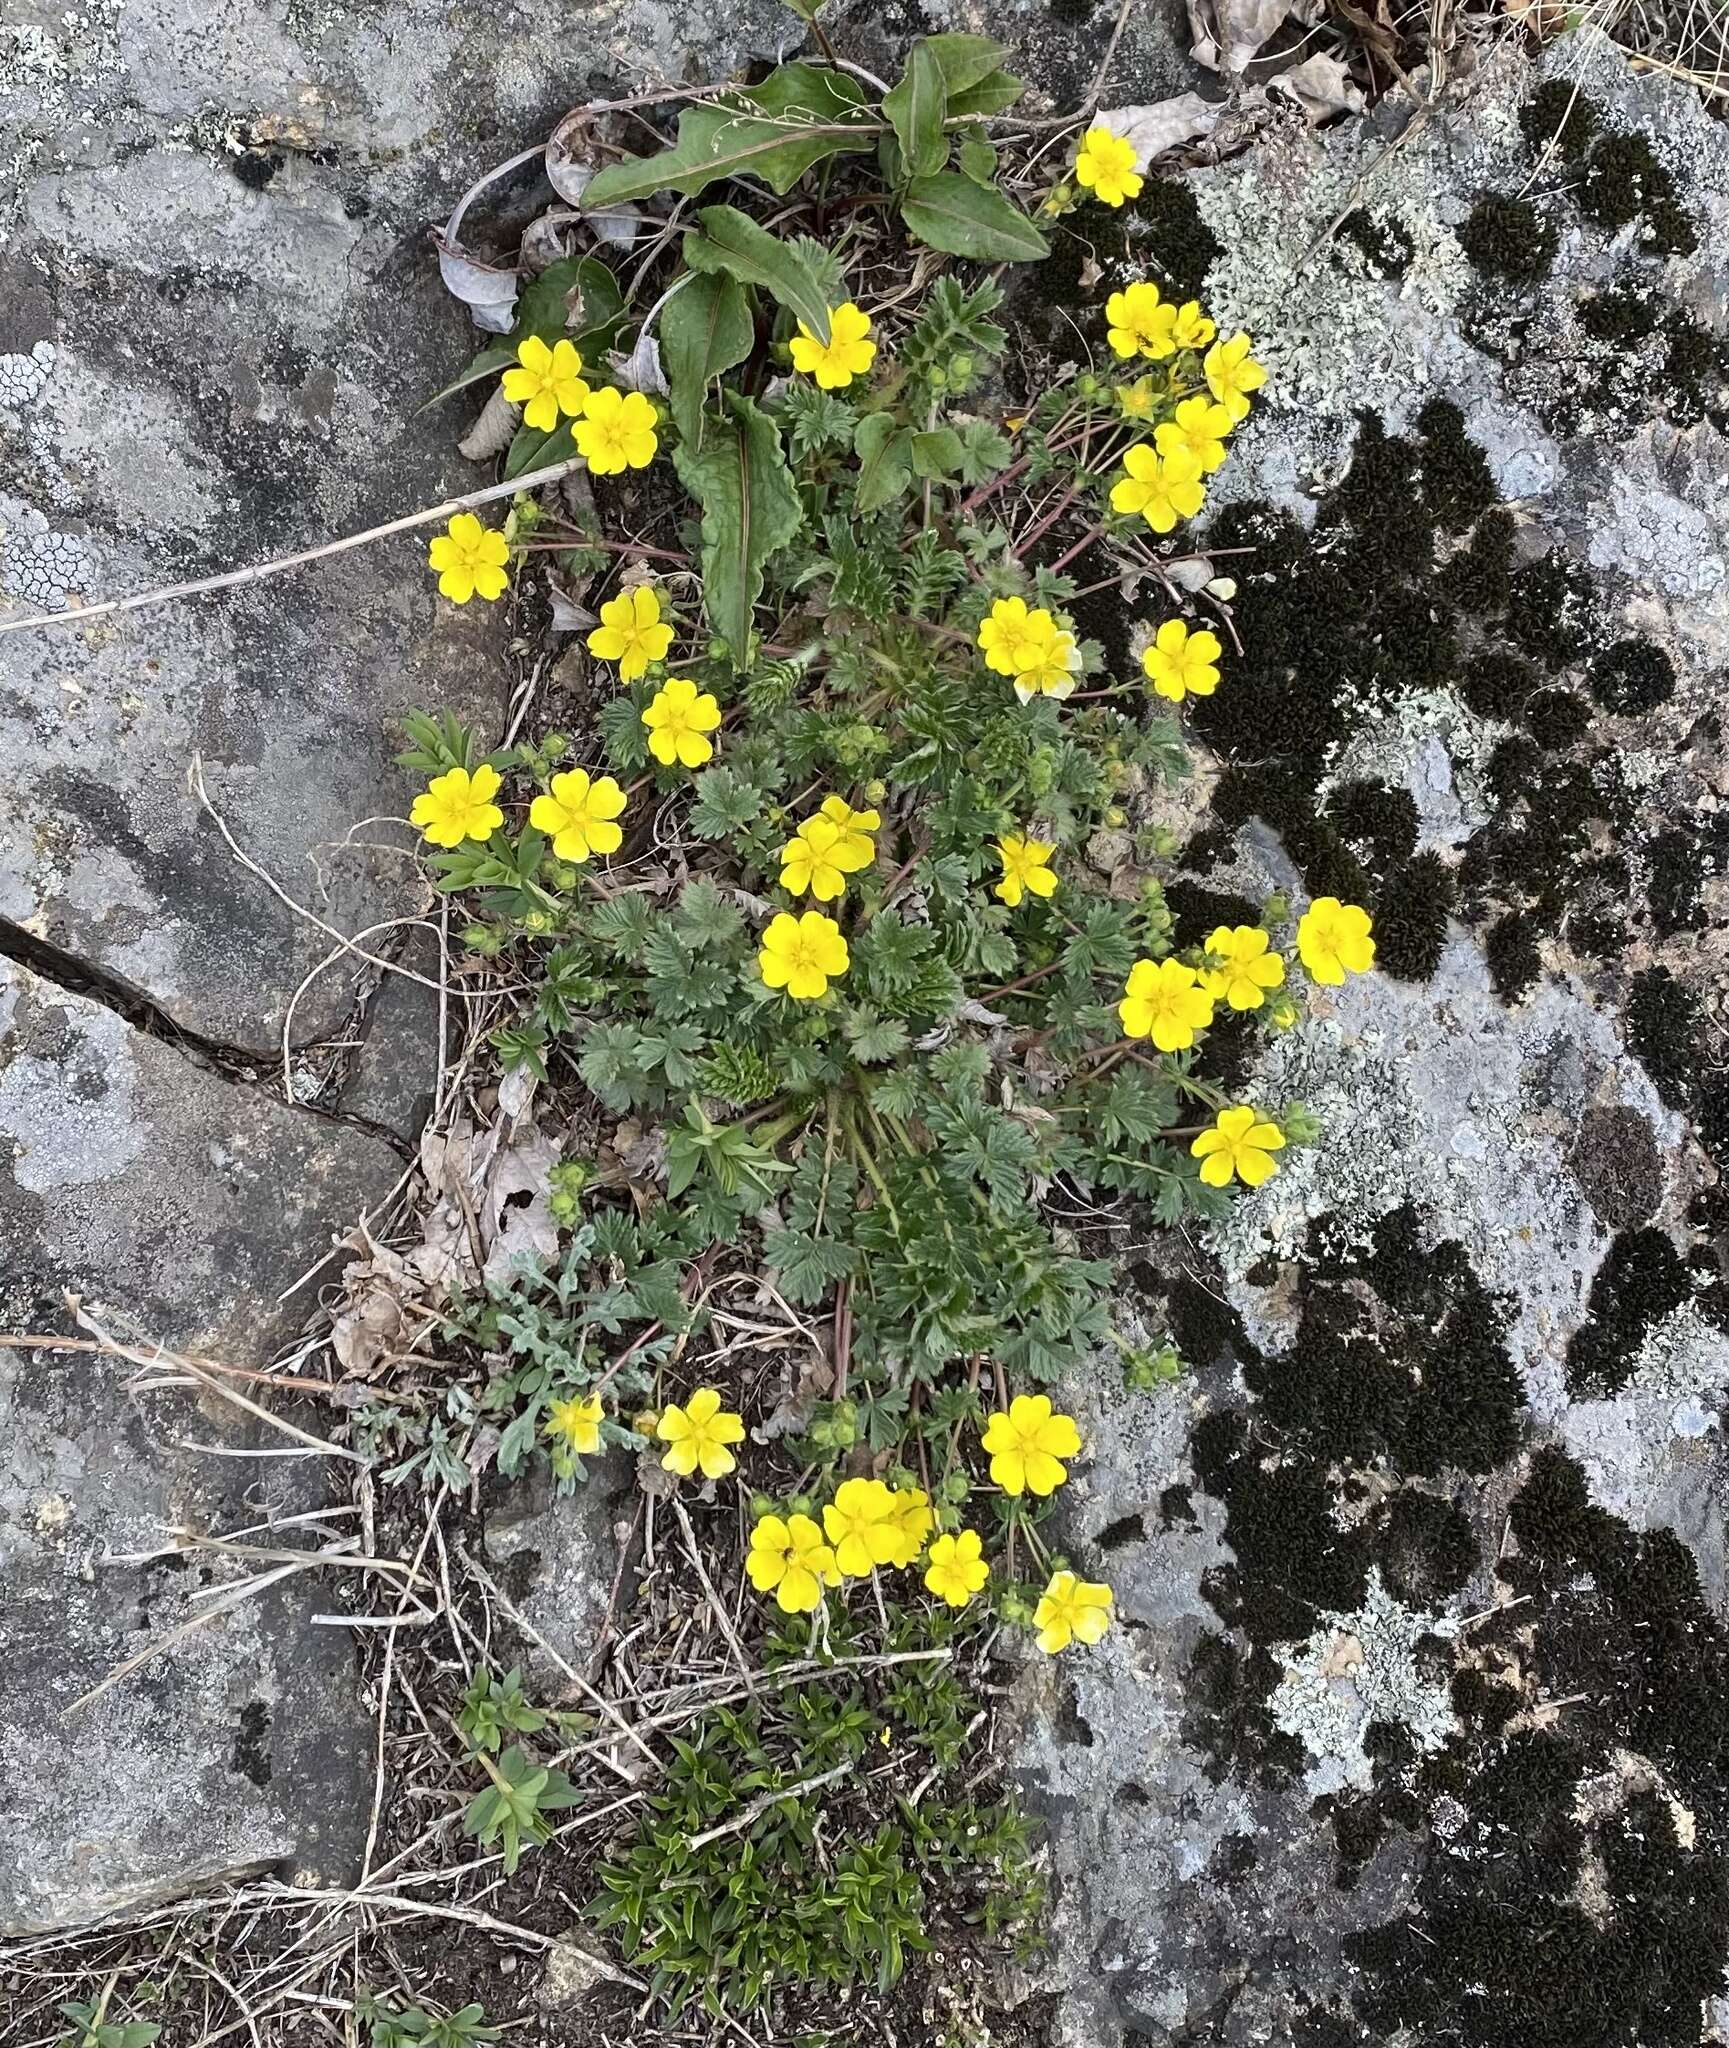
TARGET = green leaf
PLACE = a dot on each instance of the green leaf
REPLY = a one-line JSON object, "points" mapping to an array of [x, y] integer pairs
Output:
{"points": [[705, 328], [731, 241], [951, 213], [992, 95], [750, 510], [915, 106], [535, 446], [883, 450], [977, 156], [544, 307], [775, 131], [937, 454], [964, 60]]}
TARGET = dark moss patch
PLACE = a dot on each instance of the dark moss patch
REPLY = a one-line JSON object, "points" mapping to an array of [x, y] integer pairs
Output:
{"points": [[1637, 1285], [1556, 718], [1495, 684], [1551, 608], [1225, 1714], [1678, 863], [1623, 316], [1429, 1551], [1411, 912], [1457, 486], [1199, 911], [1631, 676], [1382, 239], [1181, 246], [1509, 238], [1511, 951], [1559, 120], [1479, 577], [1616, 1161], [1377, 822], [1623, 181]]}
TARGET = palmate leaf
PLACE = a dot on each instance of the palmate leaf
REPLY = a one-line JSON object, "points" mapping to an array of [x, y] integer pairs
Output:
{"points": [[774, 131], [750, 510]]}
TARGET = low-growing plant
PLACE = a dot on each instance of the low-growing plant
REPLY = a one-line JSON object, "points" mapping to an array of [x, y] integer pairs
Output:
{"points": [[90, 2026], [410, 2026]]}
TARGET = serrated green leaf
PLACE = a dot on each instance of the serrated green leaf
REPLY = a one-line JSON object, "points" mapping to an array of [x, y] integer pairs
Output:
{"points": [[750, 510], [732, 242], [774, 131], [884, 452], [705, 328], [915, 105], [951, 213]]}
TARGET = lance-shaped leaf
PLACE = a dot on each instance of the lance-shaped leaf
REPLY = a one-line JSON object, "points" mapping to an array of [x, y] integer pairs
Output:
{"points": [[731, 241], [884, 452], [774, 131], [916, 106], [953, 214], [750, 510], [705, 329]]}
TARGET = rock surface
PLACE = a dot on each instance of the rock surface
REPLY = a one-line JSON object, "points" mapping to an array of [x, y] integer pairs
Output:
{"points": [[1421, 1574]]}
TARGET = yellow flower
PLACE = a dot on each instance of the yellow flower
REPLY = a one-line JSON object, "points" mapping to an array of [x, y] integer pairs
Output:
{"points": [[1333, 940], [616, 431], [456, 806], [1161, 488], [802, 954], [1192, 328], [1239, 1143], [790, 1559], [548, 382], [1246, 969], [911, 1520], [860, 1522], [856, 828], [630, 632], [1071, 1610], [845, 355], [698, 1434], [678, 720], [1006, 635], [577, 814], [1182, 664], [1139, 323], [1051, 661], [469, 557], [1106, 164], [1199, 426], [1232, 373], [1138, 399], [819, 857], [1165, 1001], [576, 1423], [1026, 1446], [956, 1569], [1026, 865]]}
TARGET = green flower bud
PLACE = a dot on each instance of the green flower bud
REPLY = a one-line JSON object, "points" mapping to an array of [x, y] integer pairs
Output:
{"points": [[761, 1504], [1299, 1123]]}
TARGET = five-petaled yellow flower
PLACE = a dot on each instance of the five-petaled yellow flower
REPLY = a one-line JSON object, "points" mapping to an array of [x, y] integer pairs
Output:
{"points": [[697, 1435], [955, 1569], [791, 1560], [575, 1422], [1192, 328], [1163, 489], [1026, 1446], [1199, 426], [456, 806], [848, 352], [1247, 967], [856, 828], [469, 559], [679, 722], [911, 1519], [1137, 400], [616, 431], [1139, 323], [1239, 1144], [1166, 1002], [1007, 634], [1052, 660], [1333, 940], [1107, 165], [631, 632], [546, 382], [820, 855], [861, 1524], [1232, 373], [1071, 1610], [1182, 664], [1026, 867], [577, 814], [802, 954]]}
